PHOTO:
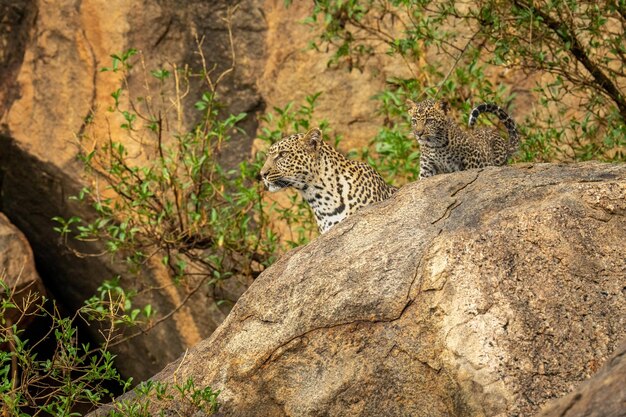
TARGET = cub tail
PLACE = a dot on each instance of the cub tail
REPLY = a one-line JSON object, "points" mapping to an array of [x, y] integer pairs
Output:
{"points": [[504, 117]]}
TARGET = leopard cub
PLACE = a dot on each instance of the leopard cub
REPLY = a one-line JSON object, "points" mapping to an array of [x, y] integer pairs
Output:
{"points": [[445, 147]]}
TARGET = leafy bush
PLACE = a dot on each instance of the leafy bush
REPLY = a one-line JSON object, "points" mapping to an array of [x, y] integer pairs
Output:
{"points": [[177, 399], [56, 374], [577, 46], [172, 199], [159, 190], [67, 374]]}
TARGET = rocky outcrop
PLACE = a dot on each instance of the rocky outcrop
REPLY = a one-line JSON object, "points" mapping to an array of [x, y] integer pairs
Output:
{"points": [[17, 271], [481, 293], [604, 395]]}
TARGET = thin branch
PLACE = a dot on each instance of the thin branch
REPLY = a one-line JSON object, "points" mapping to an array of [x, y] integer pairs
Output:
{"points": [[456, 61], [564, 33], [165, 317]]}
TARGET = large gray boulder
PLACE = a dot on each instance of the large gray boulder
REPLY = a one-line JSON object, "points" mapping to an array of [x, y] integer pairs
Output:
{"points": [[481, 293]]}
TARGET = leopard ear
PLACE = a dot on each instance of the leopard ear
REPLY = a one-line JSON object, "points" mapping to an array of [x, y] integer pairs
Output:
{"points": [[410, 103], [443, 105], [313, 139]]}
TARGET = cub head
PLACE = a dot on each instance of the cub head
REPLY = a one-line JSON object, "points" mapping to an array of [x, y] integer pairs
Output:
{"points": [[429, 120], [292, 161]]}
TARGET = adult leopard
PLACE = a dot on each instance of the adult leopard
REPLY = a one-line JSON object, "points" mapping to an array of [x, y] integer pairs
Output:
{"points": [[334, 187]]}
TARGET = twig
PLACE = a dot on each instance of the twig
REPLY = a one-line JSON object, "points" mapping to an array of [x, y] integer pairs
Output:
{"points": [[456, 61], [167, 316]]}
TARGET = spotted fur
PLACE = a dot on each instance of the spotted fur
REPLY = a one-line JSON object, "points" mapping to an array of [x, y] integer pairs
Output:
{"points": [[334, 187], [445, 147]]}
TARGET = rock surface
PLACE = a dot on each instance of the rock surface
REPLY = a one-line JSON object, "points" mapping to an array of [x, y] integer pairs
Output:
{"points": [[293, 71], [481, 293], [604, 395], [17, 270]]}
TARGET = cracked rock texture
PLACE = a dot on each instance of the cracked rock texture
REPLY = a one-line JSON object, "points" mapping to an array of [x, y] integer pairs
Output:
{"points": [[604, 395], [481, 293]]}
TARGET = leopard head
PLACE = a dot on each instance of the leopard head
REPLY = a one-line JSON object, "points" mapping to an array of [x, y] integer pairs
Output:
{"points": [[429, 120], [292, 161]]}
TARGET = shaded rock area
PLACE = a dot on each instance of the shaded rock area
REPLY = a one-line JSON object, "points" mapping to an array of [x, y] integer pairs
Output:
{"points": [[604, 395], [17, 270], [480, 293]]}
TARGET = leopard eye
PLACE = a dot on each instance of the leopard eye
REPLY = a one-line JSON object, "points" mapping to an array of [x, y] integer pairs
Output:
{"points": [[429, 120], [281, 154], [413, 121]]}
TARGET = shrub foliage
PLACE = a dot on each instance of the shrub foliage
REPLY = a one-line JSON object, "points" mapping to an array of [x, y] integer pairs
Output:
{"points": [[576, 49]]}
